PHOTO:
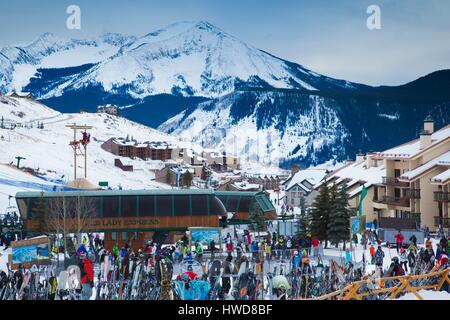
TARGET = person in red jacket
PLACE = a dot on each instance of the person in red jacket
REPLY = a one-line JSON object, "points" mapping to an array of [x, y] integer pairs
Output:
{"points": [[315, 245], [87, 277], [399, 240]]}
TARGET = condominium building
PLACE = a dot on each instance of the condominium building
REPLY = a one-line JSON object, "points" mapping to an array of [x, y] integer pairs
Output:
{"points": [[417, 181]]}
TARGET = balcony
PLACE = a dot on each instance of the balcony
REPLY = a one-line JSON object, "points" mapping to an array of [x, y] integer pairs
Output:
{"points": [[412, 193], [390, 181], [401, 202], [441, 196], [440, 221]]}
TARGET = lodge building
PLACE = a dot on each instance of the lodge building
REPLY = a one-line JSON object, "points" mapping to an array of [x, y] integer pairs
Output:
{"points": [[139, 215]]}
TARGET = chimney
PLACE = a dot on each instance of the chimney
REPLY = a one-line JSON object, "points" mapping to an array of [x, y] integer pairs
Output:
{"points": [[369, 160], [425, 139], [294, 169], [428, 124], [360, 157]]}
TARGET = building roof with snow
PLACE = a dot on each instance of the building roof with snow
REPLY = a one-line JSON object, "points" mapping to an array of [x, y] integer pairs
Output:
{"points": [[357, 172], [442, 178], [246, 186], [306, 179], [442, 160], [412, 149]]}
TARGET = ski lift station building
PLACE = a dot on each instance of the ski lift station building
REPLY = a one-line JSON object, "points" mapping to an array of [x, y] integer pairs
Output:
{"points": [[135, 216]]}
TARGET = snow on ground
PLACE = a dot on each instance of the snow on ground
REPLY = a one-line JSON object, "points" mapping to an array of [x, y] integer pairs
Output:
{"points": [[48, 152], [427, 295]]}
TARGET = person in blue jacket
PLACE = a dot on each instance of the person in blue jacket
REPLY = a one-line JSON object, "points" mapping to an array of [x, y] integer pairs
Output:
{"points": [[297, 260]]}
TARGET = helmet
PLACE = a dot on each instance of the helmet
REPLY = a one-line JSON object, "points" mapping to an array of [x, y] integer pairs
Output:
{"points": [[443, 259], [402, 250], [395, 259]]}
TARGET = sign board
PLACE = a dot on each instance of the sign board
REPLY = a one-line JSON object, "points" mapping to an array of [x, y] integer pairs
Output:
{"points": [[205, 236], [29, 252], [357, 224], [103, 183]]}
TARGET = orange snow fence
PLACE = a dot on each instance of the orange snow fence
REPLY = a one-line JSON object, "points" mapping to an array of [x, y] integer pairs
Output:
{"points": [[403, 284]]}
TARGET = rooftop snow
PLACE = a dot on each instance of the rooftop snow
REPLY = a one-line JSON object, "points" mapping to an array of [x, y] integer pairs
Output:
{"points": [[314, 176], [442, 160], [442, 177], [358, 171], [412, 148]]}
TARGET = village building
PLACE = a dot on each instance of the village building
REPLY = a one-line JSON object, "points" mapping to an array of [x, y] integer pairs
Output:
{"points": [[111, 109], [417, 185], [301, 184], [160, 150]]}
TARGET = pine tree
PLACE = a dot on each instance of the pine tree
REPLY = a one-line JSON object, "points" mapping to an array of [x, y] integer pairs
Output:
{"points": [[339, 223], [320, 214], [256, 216], [303, 220]]}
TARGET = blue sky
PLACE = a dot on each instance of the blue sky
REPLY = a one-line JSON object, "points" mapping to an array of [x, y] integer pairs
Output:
{"points": [[329, 37]]}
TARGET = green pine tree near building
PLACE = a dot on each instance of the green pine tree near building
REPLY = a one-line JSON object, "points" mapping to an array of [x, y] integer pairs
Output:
{"points": [[303, 220], [339, 220], [320, 213]]}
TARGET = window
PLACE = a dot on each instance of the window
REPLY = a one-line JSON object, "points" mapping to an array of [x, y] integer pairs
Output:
{"points": [[232, 203], [123, 236], [164, 205], [128, 206], [182, 205], [397, 192], [244, 204], [147, 205], [199, 206], [113, 235], [397, 173], [111, 206]]}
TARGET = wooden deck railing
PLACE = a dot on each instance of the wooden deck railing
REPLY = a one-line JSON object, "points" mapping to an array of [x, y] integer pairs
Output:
{"points": [[360, 289]]}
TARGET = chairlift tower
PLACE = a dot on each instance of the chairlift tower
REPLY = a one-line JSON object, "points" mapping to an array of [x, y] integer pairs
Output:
{"points": [[79, 146]]}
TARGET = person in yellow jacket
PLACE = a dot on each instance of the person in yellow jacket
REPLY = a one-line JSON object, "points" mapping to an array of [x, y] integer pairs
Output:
{"points": [[268, 251]]}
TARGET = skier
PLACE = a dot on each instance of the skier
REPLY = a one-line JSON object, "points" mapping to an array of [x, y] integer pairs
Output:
{"points": [[379, 257], [413, 240], [355, 239], [268, 249], [395, 269], [404, 259], [87, 278], [198, 251], [212, 248], [296, 261], [115, 251], [399, 240], [372, 254], [289, 247], [315, 245], [229, 247], [411, 259], [412, 248]]}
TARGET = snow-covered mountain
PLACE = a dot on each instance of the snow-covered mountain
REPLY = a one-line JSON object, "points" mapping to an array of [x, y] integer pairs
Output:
{"points": [[267, 127], [212, 86], [187, 58], [18, 64], [285, 126]]}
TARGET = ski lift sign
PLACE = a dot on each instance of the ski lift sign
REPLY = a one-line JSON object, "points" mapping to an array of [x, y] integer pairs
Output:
{"points": [[357, 224], [28, 252]]}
